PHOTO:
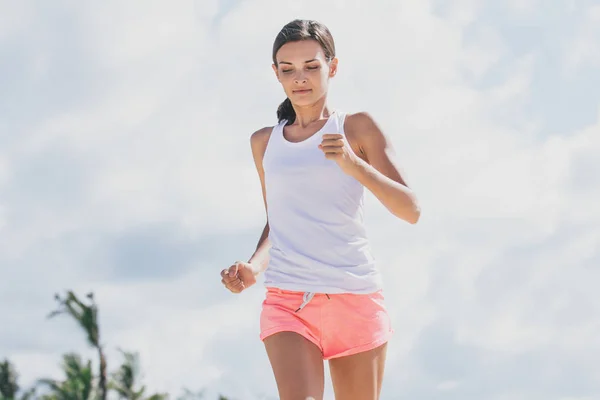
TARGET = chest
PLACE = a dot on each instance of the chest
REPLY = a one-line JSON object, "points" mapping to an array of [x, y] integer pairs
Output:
{"points": [[295, 134]]}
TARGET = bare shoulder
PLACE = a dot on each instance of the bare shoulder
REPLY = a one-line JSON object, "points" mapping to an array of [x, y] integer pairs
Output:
{"points": [[362, 129], [375, 145], [259, 140], [360, 118], [361, 123], [261, 135]]}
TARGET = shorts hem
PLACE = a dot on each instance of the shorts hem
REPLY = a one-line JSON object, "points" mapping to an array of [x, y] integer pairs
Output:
{"points": [[279, 329], [360, 349]]}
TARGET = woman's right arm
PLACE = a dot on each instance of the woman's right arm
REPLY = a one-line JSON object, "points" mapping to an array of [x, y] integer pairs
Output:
{"points": [[258, 142]]}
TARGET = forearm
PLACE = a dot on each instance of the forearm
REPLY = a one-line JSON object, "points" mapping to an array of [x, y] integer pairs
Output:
{"points": [[260, 258], [396, 197]]}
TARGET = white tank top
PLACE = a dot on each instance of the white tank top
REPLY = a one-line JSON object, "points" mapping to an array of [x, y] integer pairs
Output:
{"points": [[315, 214]]}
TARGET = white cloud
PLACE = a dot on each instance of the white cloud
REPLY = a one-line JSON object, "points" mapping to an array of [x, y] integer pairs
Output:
{"points": [[523, 7], [584, 49], [4, 171], [485, 50], [14, 18], [120, 35]]}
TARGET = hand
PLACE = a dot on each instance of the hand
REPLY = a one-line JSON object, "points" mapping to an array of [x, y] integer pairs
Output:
{"points": [[239, 276], [336, 147]]}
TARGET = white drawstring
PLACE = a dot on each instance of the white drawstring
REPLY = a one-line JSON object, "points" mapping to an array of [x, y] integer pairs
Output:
{"points": [[307, 298]]}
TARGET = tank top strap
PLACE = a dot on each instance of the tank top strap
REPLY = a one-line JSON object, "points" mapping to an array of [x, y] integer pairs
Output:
{"points": [[340, 119], [276, 136]]}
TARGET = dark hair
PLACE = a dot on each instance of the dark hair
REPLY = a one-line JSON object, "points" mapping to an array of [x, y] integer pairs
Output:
{"points": [[295, 31]]}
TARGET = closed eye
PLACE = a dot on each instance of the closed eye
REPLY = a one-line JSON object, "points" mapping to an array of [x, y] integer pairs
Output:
{"points": [[285, 71]]}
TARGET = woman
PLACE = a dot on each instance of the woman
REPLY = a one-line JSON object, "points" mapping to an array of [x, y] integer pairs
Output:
{"points": [[324, 297]]}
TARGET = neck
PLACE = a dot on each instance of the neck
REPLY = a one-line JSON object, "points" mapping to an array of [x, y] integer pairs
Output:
{"points": [[306, 115]]}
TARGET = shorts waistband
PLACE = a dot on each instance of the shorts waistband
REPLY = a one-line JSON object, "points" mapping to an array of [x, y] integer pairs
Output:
{"points": [[306, 296]]}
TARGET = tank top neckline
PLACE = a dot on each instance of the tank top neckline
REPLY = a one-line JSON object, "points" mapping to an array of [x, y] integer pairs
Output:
{"points": [[309, 138]]}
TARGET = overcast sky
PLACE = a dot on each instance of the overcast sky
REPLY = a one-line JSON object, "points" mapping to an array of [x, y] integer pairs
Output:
{"points": [[125, 169]]}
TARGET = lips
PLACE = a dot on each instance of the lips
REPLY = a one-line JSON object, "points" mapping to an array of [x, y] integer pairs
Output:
{"points": [[302, 91]]}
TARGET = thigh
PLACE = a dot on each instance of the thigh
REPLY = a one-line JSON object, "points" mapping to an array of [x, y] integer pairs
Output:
{"points": [[354, 324], [297, 365], [358, 376]]}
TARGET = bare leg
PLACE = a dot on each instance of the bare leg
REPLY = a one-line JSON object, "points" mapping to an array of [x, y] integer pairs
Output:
{"points": [[298, 366], [359, 376]]}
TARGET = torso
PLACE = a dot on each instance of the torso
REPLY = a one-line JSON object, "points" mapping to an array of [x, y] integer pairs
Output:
{"points": [[315, 212]]}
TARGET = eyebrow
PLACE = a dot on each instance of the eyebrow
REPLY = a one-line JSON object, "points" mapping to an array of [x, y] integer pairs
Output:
{"points": [[285, 62]]}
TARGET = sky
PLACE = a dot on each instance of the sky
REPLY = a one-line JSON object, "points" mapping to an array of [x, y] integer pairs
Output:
{"points": [[125, 169]]}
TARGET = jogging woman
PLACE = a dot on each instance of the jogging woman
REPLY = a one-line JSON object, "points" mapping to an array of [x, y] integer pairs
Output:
{"points": [[324, 293]]}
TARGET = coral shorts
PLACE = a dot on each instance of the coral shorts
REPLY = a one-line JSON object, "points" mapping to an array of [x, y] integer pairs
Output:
{"points": [[338, 324]]}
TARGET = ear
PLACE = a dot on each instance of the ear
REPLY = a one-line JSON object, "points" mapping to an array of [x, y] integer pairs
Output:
{"points": [[333, 67], [275, 70]]}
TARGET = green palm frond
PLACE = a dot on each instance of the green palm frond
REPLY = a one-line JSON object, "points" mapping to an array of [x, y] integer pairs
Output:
{"points": [[78, 383], [125, 379], [85, 315], [52, 384], [8, 380], [162, 396]]}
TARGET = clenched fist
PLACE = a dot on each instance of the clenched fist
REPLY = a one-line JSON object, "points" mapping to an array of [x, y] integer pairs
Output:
{"points": [[336, 148], [239, 276]]}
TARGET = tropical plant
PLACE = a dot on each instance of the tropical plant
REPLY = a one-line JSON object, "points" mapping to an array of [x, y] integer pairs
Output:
{"points": [[87, 318], [78, 383], [8, 380], [126, 380], [9, 386]]}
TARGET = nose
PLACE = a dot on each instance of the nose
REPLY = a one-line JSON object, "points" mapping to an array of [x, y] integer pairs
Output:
{"points": [[299, 78]]}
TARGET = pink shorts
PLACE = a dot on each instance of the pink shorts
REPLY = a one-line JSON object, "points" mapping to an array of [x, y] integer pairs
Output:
{"points": [[338, 324]]}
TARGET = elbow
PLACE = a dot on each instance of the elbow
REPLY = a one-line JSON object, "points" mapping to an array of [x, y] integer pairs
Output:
{"points": [[411, 216], [416, 215], [413, 212]]}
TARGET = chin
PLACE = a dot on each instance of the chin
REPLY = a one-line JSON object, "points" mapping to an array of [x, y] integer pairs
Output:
{"points": [[304, 102]]}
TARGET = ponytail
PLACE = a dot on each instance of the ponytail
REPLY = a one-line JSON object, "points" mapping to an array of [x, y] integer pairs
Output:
{"points": [[286, 111]]}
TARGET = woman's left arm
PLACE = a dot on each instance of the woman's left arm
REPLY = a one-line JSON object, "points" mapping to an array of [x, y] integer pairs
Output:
{"points": [[380, 174]]}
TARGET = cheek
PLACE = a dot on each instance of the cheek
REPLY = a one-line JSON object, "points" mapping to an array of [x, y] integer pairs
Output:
{"points": [[323, 79]]}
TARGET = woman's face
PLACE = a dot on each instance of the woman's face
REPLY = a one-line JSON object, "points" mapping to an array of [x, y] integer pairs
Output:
{"points": [[303, 71]]}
